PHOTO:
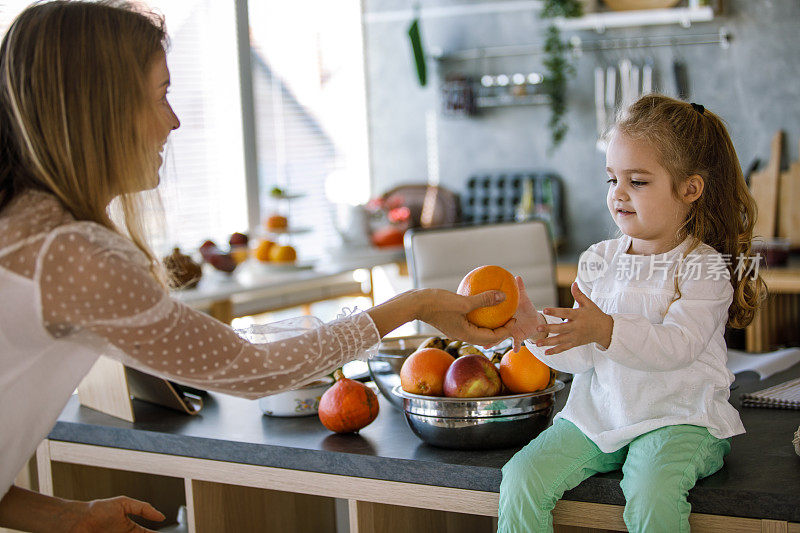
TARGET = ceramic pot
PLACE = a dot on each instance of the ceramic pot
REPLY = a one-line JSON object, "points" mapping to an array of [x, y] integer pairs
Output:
{"points": [[303, 401]]}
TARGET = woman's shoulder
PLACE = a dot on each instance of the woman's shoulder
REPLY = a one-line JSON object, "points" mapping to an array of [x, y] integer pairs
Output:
{"points": [[94, 241], [30, 215], [37, 218]]}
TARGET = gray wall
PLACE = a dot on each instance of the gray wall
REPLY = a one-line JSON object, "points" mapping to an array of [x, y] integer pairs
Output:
{"points": [[753, 85]]}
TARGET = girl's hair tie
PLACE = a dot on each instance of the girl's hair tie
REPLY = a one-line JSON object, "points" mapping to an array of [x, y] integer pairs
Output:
{"points": [[697, 107]]}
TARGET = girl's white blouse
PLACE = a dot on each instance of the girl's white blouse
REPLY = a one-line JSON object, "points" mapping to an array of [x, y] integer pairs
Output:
{"points": [[72, 291], [666, 363]]}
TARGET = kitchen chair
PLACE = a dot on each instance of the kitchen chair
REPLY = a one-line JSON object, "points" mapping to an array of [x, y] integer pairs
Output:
{"points": [[440, 258]]}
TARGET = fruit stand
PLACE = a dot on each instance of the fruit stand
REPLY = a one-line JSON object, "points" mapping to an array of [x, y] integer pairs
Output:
{"points": [[236, 470]]}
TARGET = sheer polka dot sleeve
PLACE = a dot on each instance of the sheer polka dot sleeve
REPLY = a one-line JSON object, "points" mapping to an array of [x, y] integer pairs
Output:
{"points": [[93, 281]]}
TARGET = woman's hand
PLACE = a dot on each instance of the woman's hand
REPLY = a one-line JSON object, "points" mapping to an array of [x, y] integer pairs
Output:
{"points": [[26, 510], [525, 321], [446, 311], [110, 516], [584, 324]]}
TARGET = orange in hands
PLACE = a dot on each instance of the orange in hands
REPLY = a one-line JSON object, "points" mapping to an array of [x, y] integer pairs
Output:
{"points": [[522, 372], [424, 370], [486, 278]]}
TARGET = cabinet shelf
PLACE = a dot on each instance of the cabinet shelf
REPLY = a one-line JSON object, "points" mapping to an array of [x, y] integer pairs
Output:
{"points": [[483, 102], [599, 22]]}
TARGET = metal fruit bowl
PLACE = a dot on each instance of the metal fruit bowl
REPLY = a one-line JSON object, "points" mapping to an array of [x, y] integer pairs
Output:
{"points": [[384, 367], [479, 423]]}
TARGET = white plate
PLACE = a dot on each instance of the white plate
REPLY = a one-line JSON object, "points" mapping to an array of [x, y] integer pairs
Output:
{"points": [[291, 230], [284, 267]]}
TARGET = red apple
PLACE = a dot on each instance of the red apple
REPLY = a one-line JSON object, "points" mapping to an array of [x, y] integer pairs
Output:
{"points": [[238, 239], [216, 257], [472, 376], [207, 249], [223, 262]]}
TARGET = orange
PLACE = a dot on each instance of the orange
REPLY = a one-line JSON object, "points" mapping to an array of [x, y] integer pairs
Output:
{"points": [[239, 253], [282, 254], [423, 371], [522, 372], [262, 252], [276, 222], [486, 278]]}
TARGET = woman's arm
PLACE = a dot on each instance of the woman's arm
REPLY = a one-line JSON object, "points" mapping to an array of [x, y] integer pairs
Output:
{"points": [[26, 510], [444, 310], [88, 286]]}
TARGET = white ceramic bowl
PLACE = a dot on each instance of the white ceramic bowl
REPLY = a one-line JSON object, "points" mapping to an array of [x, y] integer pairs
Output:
{"points": [[303, 401]]}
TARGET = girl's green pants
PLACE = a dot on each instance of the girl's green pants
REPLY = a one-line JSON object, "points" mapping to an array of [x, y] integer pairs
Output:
{"points": [[658, 469]]}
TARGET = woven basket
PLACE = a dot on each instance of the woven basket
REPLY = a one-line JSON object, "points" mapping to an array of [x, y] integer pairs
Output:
{"points": [[628, 5]]}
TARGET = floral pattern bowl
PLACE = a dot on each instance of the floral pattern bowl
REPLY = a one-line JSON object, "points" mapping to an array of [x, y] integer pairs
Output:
{"points": [[303, 401]]}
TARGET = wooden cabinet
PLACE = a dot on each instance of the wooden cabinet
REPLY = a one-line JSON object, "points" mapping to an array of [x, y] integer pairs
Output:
{"points": [[232, 497]]}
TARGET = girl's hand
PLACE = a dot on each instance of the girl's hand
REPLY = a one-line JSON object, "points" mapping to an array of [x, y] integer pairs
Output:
{"points": [[446, 311], [525, 321], [110, 516], [583, 325]]}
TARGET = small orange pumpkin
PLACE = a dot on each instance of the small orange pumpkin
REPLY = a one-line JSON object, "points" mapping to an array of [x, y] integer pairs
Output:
{"points": [[348, 405]]}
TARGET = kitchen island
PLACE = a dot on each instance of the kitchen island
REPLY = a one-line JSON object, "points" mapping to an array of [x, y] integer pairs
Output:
{"points": [[237, 470]]}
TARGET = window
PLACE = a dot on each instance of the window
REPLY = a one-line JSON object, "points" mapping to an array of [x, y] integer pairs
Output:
{"points": [[203, 180], [9, 9], [310, 109], [309, 106]]}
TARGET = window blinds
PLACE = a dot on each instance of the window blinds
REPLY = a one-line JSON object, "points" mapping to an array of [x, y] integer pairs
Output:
{"points": [[203, 183], [310, 108], [310, 111]]}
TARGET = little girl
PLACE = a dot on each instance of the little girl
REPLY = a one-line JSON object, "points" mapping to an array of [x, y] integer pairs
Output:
{"points": [[645, 338]]}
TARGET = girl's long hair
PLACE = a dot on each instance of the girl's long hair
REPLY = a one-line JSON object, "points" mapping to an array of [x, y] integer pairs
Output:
{"points": [[691, 141], [75, 110]]}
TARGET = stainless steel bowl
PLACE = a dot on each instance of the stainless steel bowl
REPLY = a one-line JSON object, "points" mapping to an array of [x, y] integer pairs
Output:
{"points": [[384, 367], [479, 423]]}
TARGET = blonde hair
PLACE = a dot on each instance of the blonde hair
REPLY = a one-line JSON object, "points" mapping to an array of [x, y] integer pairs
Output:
{"points": [[75, 109], [690, 141]]}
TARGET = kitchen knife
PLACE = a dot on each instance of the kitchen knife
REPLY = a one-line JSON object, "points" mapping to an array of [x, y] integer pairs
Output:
{"points": [[599, 100], [611, 91], [647, 77]]}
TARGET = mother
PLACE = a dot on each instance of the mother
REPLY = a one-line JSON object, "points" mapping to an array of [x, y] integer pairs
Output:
{"points": [[84, 117]]}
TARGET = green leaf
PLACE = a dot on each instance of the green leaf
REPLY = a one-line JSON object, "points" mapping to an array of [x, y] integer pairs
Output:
{"points": [[561, 8]]}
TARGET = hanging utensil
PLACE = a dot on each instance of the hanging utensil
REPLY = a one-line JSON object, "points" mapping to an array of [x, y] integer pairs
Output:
{"points": [[647, 76], [635, 91], [625, 81], [680, 74], [600, 106], [611, 91], [599, 99]]}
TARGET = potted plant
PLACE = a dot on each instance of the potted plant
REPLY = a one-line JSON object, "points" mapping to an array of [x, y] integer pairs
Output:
{"points": [[557, 64]]}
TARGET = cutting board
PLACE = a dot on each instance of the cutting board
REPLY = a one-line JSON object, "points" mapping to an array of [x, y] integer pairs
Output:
{"points": [[789, 205], [764, 188]]}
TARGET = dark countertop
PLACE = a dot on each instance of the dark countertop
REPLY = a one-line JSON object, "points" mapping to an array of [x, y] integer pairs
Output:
{"points": [[760, 479]]}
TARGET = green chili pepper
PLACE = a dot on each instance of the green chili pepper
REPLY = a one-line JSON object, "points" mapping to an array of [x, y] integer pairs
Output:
{"points": [[419, 54]]}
